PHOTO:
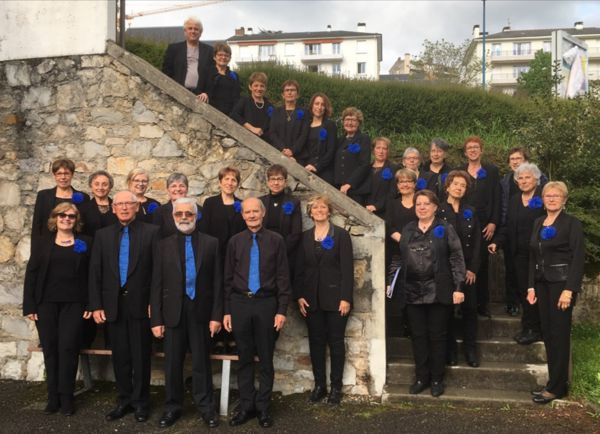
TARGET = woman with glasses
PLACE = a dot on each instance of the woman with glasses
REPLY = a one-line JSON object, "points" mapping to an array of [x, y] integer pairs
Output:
{"points": [[411, 159], [557, 256], [138, 181], [437, 166], [224, 90], [177, 186], [55, 296]]}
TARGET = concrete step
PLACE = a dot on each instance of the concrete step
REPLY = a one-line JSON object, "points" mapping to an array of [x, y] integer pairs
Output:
{"points": [[397, 393], [490, 375], [492, 350]]}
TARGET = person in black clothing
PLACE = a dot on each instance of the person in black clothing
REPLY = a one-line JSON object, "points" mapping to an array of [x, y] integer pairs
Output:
{"points": [[371, 183], [323, 288], [433, 272], [352, 149], [177, 186], [46, 200], [464, 220], [187, 309], [224, 89], [254, 112], [137, 182], [282, 211], [97, 213], [557, 256], [513, 237], [55, 297], [189, 62], [485, 198], [437, 167], [411, 159], [321, 138], [288, 130], [257, 292]]}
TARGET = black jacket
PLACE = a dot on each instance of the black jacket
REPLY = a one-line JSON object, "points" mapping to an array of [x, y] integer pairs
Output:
{"points": [[326, 279], [320, 149], [224, 90], [347, 162], [168, 283], [175, 64], [37, 268], [436, 181], [290, 224], [163, 218], [245, 110], [291, 135], [484, 195], [375, 187], [147, 209], [219, 222], [560, 258], [93, 219], [468, 230]]}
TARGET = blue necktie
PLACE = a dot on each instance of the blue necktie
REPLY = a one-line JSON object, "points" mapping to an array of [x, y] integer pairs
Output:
{"points": [[254, 271], [124, 256], [190, 269]]}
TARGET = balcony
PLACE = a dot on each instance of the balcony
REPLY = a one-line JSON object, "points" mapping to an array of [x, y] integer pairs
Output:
{"points": [[507, 79], [256, 59], [318, 58], [594, 52], [511, 56]]}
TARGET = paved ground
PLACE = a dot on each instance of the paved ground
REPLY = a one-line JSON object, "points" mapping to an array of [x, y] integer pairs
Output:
{"points": [[21, 407]]}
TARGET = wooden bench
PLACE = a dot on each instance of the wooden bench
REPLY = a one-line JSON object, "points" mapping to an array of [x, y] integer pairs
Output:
{"points": [[88, 382]]}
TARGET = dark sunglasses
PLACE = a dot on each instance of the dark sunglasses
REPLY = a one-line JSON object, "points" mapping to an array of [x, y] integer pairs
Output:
{"points": [[64, 215], [184, 213]]}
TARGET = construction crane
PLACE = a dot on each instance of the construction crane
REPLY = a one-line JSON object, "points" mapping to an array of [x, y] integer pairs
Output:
{"points": [[130, 17]]}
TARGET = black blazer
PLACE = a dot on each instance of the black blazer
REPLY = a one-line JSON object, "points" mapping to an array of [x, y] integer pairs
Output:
{"points": [[296, 136], [484, 195], [290, 225], [104, 281], [374, 187], [217, 221], [37, 268], [224, 90], [168, 283], [468, 230], [320, 152], [346, 162], [163, 218], [435, 181], [175, 64], [147, 209], [93, 219], [324, 281], [559, 259], [44, 204]]}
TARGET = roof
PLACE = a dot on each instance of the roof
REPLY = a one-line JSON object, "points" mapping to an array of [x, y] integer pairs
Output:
{"points": [[277, 36], [167, 35], [509, 34]]}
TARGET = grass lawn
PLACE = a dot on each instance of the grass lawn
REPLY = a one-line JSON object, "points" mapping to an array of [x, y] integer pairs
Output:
{"points": [[586, 362]]}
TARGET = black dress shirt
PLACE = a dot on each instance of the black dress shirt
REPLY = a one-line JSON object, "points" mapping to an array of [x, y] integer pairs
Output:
{"points": [[290, 132]]}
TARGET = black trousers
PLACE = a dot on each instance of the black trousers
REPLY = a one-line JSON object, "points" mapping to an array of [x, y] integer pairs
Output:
{"points": [[556, 329], [482, 282], [60, 326], [131, 344], [189, 333], [429, 325], [468, 322], [531, 312], [511, 292], [327, 328], [252, 322]]}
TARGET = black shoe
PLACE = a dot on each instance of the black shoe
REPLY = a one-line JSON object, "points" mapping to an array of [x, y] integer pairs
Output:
{"points": [[514, 311], [452, 359], [67, 407], [169, 418], [335, 396], [417, 387], [317, 394], [118, 412], [545, 397], [52, 406], [528, 337], [484, 311], [141, 414], [264, 419], [471, 358], [437, 388], [241, 417], [210, 419]]}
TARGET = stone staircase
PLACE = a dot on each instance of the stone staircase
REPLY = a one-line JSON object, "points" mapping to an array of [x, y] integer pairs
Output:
{"points": [[508, 371]]}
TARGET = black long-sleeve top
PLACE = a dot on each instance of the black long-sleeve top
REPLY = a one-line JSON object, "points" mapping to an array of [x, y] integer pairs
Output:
{"points": [[246, 110], [224, 90], [283, 216], [351, 153], [467, 227], [320, 148], [221, 221], [147, 210], [484, 195], [290, 133], [436, 181], [375, 184], [396, 217], [273, 264], [94, 219]]}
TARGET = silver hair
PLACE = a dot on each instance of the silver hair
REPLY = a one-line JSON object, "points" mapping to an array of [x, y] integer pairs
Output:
{"points": [[411, 150], [132, 195], [186, 201], [262, 205], [531, 168], [195, 21], [177, 177], [440, 143]]}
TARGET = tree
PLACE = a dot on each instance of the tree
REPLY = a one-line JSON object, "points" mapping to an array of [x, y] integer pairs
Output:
{"points": [[541, 78], [446, 61]]}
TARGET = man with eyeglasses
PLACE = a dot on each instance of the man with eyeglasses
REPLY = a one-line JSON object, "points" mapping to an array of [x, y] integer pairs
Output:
{"points": [[119, 295], [187, 310]]}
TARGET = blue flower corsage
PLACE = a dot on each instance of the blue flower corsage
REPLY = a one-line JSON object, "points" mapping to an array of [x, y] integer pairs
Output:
{"points": [[288, 207], [327, 243], [386, 174], [199, 216], [547, 233], [237, 206], [439, 231], [233, 75], [322, 134], [354, 148], [421, 184], [77, 198], [152, 207], [443, 177], [80, 246], [270, 111], [535, 202], [481, 173], [468, 214], [299, 114]]}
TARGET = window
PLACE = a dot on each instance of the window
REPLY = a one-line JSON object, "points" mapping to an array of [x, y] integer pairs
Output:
{"points": [[361, 67], [312, 49], [245, 52], [521, 48], [266, 51], [361, 47], [313, 68], [496, 50], [547, 46], [518, 70], [288, 49], [336, 48], [336, 69]]}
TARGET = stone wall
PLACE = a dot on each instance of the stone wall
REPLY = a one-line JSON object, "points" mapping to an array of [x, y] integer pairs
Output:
{"points": [[116, 112]]}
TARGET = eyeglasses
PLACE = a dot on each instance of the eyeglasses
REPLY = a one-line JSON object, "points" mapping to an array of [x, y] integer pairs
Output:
{"points": [[225, 55], [123, 204], [65, 173], [180, 214], [553, 196], [140, 181], [277, 179], [64, 215]]}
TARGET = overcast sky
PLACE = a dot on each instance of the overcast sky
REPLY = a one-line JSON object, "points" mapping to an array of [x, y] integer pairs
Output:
{"points": [[403, 24]]}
